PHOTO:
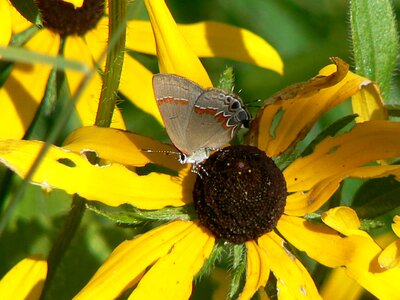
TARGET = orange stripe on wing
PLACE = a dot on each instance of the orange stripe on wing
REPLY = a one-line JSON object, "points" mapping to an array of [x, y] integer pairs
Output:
{"points": [[172, 100], [205, 110]]}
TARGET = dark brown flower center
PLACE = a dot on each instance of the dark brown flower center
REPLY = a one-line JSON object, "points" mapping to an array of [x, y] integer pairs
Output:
{"points": [[241, 194], [63, 18]]}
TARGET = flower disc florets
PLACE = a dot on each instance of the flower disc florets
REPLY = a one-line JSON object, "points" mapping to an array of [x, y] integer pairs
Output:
{"points": [[241, 194], [63, 18]]}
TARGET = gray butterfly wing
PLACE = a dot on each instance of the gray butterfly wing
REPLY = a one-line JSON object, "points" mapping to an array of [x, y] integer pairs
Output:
{"points": [[215, 118], [176, 97]]}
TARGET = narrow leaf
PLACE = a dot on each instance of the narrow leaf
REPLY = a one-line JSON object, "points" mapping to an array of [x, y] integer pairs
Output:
{"points": [[375, 41]]}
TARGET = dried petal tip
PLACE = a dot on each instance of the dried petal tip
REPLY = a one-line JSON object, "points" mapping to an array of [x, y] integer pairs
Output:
{"points": [[242, 196]]}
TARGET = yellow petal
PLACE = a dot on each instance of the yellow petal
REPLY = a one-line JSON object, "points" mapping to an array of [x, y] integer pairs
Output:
{"points": [[288, 270], [344, 220], [127, 263], [75, 3], [76, 49], [313, 237], [175, 55], [136, 86], [257, 272], [5, 22], [340, 286], [24, 89], [97, 40], [396, 225], [300, 203], [19, 23], [390, 256], [358, 254], [300, 106], [211, 39], [344, 152], [112, 184], [122, 147], [365, 269], [25, 280], [368, 104], [171, 276]]}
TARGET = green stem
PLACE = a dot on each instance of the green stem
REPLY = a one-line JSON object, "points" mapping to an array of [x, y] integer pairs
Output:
{"points": [[107, 101], [64, 239], [114, 62]]}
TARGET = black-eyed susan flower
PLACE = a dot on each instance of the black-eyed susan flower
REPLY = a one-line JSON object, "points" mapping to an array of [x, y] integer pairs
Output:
{"points": [[78, 30]]}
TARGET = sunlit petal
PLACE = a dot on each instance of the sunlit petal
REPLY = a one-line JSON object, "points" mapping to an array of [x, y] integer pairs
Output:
{"points": [[257, 272], [97, 39], [24, 89], [358, 254], [75, 49], [19, 23], [25, 280], [288, 270], [127, 263], [122, 147], [340, 286], [174, 272], [5, 22], [300, 203], [211, 39], [136, 86], [112, 184], [175, 55], [368, 104], [75, 3], [344, 220], [304, 236], [390, 256], [396, 225], [344, 152], [300, 106]]}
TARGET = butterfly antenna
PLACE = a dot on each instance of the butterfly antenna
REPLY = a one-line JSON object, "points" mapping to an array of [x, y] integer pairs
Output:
{"points": [[256, 103], [166, 152]]}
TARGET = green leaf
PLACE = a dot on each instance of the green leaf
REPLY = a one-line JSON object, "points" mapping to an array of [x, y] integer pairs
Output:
{"points": [[22, 55], [129, 215], [375, 41], [239, 255], [209, 264], [377, 197]]}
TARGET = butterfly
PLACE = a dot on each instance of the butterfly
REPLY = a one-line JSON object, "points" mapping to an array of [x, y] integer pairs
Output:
{"points": [[197, 120]]}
